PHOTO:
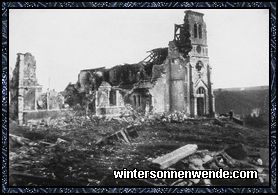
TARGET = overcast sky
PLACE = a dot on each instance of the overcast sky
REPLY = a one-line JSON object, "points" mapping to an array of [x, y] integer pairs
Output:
{"points": [[67, 41]]}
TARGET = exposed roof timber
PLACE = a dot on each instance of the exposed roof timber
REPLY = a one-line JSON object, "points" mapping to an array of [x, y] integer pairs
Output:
{"points": [[156, 54]]}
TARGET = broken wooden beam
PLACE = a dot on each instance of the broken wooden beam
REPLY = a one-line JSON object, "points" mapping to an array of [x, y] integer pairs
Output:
{"points": [[219, 122], [171, 158], [122, 134], [17, 140], [237, 120]]}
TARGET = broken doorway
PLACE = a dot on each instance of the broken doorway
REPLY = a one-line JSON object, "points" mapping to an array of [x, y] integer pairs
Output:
{"points": [[200, 106]]}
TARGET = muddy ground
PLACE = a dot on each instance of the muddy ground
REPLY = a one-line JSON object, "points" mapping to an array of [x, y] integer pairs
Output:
{"points": [[67, 155]]}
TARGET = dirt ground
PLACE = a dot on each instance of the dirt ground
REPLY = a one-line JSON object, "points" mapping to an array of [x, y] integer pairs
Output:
{"points": [[69, 156]]}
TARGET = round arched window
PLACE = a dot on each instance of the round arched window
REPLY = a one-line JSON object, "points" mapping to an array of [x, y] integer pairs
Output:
{"points": [[199, 49], [200, 31], [201, 90], [195, 30]]}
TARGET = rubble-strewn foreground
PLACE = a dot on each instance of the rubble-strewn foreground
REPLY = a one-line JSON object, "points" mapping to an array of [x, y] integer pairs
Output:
{"points": [[74, 150]]}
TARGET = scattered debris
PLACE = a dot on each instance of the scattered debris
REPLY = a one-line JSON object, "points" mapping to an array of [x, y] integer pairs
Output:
{"points": [[194, 159], [171, 158], [237, 151], [60, 141], [15, 140], [175, 117], [75, 148], [123, 134], [237, 120]]}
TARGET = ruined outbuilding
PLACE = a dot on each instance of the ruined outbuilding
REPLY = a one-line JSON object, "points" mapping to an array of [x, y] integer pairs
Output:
{"points": [[177, 78], [28, 101]]}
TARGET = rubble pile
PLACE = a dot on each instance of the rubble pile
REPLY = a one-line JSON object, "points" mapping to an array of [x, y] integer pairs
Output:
{"points": [[133, 116], [70, 119], [75, 150], [189, 158], [55, 163], [176, 117]]}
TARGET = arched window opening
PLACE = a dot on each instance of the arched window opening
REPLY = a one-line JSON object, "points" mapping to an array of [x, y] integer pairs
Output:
{"points": [[200, 31], [112, 97], [134, 100], [195, 31], [139, 100], [201, 90]]}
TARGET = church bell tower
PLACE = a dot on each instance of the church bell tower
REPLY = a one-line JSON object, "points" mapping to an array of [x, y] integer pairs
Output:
{"points": [[201, 86]]}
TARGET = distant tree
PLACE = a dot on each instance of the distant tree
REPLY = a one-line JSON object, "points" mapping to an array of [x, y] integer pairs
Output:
{"points": [[72, 96]]}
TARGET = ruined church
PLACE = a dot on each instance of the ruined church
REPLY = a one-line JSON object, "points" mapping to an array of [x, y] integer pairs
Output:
{"points": [[175, 78]]}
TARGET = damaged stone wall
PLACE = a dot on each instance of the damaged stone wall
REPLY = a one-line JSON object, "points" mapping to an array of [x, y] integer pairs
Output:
{"points": [[170, 91], [109, 101], [26, 94], [141, 100], [13, 88], [160, 101], [24, 86], [127, 79], [177, 78], [29, 101]]}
